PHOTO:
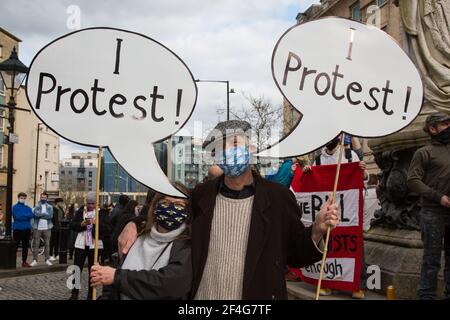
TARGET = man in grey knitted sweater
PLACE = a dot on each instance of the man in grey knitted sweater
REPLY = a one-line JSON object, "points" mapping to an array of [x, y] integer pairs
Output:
{"points": [[245, 229]]}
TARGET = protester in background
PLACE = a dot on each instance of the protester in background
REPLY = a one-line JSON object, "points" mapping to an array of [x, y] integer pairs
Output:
{"points": [[58, 215], [105, 220], [429, 177], [159, 264], [123, 200], [22, 215], [330, 155], [84, 224], [355, 145], [127, 214], [285, 173], [42, 226], [231, 259], [72, 234]]}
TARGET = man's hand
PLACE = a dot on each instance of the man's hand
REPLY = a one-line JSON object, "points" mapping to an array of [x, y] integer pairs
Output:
{"points": [[328, 216], [102, 276], [127, 238], [445, 201], [306, 169], [86, 222], [362, 165]]}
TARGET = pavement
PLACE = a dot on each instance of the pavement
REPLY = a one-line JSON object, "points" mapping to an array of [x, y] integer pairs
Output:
{"points": [[46, 286], [305, 291], [41, 282], [40, 268]]}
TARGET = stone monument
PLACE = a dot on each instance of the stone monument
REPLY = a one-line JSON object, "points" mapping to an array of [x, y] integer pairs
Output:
{"points": [[394, 241]]}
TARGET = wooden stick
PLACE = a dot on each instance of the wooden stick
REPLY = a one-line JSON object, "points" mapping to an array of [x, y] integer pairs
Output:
{"points": [[97, 214], [333, 197]]}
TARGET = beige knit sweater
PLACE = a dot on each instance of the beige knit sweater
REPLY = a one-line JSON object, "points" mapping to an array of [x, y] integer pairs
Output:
{"points": [[224, 269]]}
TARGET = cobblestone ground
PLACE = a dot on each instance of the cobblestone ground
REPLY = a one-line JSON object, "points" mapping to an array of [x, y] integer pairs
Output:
{"points": [[47, 286]]}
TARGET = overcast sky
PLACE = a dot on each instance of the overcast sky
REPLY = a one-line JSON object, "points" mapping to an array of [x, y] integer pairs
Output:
{"points": [[219, 40]]}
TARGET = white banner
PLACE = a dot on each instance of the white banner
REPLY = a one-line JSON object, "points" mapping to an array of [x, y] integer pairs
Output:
{"points": [[311, 202], [336, 269]]}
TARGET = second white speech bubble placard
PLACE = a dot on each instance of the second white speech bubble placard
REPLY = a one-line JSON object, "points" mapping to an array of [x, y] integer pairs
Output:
{"points": [[346, 76]]}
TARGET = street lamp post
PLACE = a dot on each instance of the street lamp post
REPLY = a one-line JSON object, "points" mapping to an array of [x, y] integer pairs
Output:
{"points": [[228, 92], [13, 72], [36, 165]]}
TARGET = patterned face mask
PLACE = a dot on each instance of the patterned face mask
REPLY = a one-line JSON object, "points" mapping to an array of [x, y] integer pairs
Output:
{"points": [[170, 216], [235, 161]]}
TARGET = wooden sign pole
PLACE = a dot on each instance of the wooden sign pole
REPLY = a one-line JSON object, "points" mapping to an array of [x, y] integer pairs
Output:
{"points": [[333, 197]]}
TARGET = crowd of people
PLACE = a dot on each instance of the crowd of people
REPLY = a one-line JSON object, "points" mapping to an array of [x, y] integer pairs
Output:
{"points": [[235, 234]]}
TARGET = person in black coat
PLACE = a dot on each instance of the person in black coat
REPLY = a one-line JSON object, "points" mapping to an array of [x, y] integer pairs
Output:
{"points": [[159, 264], [83, 224], [105, 220], [119, 221]]}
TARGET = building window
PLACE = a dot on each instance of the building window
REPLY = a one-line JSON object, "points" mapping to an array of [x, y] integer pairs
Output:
{"points": [[90, 174], [1, 51], [54, 152], [47, 150], [356, 12], [67, 164], [381, 2], [1, 156], [63, 172], [90, 164], [384, 29], [90, 183], [70, 172]]}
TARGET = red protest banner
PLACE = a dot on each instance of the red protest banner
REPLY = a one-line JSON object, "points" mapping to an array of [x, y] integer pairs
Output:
{"points": [[343, 264]]}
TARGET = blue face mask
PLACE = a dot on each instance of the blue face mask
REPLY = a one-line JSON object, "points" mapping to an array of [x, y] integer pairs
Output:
{"points": [[235, 161], [170, 216]]}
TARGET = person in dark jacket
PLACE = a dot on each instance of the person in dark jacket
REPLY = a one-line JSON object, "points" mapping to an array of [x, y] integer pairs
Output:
{"points": [[123, 200], [70, 215], [245, 230], [119, 221], [84, 224], [159, 265], [22, 215], [58, 216], [107, 236], [429, 177]]}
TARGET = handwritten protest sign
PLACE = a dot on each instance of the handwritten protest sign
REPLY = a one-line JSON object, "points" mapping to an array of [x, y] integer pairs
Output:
{"points": [[343, 264], [343, 75], [117, 89]]}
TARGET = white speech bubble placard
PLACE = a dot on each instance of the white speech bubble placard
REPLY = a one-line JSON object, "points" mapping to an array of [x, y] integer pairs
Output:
{"points": [[343, 76], [117, 89]]}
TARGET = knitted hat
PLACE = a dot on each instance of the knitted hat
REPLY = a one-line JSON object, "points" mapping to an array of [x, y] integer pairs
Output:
{"points": [[91, 197], [435, 118], [226, 129]]}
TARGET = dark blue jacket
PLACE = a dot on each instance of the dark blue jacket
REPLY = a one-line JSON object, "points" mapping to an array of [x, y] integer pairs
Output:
{"points": [[22, 215]]}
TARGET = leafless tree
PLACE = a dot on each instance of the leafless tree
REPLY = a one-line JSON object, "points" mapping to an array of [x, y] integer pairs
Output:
{"points": [[263, 116]]}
